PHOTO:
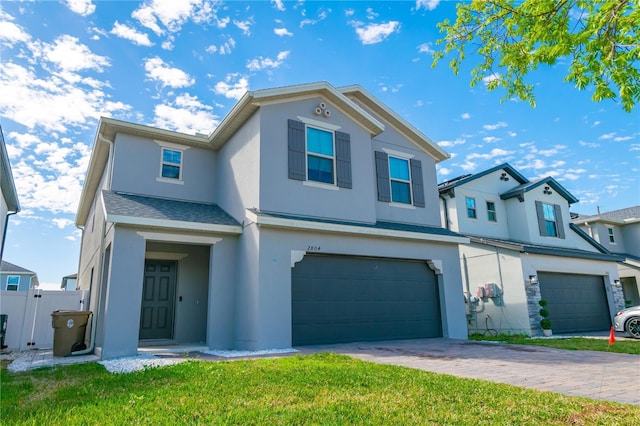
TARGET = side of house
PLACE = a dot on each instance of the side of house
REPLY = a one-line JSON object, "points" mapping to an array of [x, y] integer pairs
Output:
{"points": [[524, 248], [619, 232], [16, 278], [308, 216], [9, 204]]}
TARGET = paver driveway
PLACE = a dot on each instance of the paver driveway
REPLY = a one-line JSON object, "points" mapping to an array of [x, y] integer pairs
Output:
{"points": [[596, 375]]}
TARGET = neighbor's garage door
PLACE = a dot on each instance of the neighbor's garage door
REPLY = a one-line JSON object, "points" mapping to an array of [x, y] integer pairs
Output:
{"points": [[348, 299], [577, 303]]}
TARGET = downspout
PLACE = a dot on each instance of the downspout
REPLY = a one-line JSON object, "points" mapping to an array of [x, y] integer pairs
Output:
{"points": [[4, 231], [446, 213], [92, 341]]}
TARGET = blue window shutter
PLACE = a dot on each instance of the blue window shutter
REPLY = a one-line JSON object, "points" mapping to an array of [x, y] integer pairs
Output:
{"points": [[343, 160], [382, 174], [416, 183], [297, 151], [559, 224], [541, 224]]}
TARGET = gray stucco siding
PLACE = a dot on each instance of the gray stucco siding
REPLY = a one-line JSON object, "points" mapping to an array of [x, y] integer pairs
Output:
{"points": [[136, 169], [281, 194]]}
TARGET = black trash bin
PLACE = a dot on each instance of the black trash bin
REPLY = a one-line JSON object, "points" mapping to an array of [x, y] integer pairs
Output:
{"points": [[68, 331], [3, 329]]}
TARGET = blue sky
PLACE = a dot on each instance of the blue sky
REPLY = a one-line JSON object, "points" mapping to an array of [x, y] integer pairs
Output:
{"points": [[181, 65]]}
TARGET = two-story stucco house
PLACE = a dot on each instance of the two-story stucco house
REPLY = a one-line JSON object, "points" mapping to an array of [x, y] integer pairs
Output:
{"points": [[9, 204], [619, 232], [524, 248], [16, 278], [310, 215]]}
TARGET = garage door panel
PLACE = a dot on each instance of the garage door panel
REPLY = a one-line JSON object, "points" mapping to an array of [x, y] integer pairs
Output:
{"points": [[576, 303], [344, 299]]}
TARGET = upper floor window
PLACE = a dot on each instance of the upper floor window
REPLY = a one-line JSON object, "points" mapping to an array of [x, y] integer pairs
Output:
{"points": [[171, 163], [471, 207], [400, 177], [491, 211], [612, 238], [318, 152], [550, 220], [13, 282], [320, 156]]}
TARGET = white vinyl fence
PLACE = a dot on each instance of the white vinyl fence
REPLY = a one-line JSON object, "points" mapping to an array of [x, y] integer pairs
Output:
{"points": [[29, 315]]}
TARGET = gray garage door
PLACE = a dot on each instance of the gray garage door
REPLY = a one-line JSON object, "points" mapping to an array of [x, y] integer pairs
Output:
{"points": [[339, 299], [577, 303]]}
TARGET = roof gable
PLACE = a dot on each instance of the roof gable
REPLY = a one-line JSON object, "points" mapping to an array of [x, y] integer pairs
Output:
{"points": [[548, 181], [461, 180]]}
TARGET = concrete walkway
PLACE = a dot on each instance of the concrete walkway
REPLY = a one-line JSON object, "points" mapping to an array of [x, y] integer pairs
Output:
{"points": [[596, 375]]}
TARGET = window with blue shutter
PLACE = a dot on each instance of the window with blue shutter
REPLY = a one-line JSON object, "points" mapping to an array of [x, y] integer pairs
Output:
{"points": [[550, 220], [399, 180]]}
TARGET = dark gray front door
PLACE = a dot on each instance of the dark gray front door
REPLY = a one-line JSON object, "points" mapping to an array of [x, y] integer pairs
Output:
{"points": [[158, 297], [348, 299], [577, 303]]}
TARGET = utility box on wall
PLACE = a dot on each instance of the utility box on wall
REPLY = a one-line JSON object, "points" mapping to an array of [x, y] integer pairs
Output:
{"points": [[489, 290]]}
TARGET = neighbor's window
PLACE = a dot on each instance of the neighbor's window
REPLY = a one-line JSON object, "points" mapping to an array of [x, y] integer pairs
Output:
{"points": [[550, 221], [13, 282], [491, 211], [171, 163], [400, 178], [320, 156], [471, 208], [612, 239]]}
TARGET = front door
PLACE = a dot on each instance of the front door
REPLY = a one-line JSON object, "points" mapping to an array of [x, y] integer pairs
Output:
{"points": [[158, 297]]}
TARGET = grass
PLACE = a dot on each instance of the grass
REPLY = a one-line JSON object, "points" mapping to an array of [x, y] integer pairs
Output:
{"points": [[573, 343], [315, 389]]}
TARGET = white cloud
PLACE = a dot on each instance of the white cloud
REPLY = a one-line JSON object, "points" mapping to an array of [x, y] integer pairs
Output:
{"points": [[371, 14], [62, 222], [234, 86], [282, 32], [512, 134], [491, 139], [158, 70], [608, 135], [488, 79], [425, 48], [375, 33], [427, 4], [224, 48], [278, 4], [496, 152], [465, 116], [444, 171], [449, 144], [322, 15], [131, 34], [173, 14], [589, 144], [186, 114], [260, 63], [12, 33], [468, 166], [245, 26], [495, 126], [622, 138], [349, 12], [81, 7], [68, 54]]}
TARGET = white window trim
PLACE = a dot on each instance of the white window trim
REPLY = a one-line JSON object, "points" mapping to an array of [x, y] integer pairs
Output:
{"points": [[466, 208], [161, 178], [394, 153], [319, 124], [611, 235], [332, 158], [495, 211], [406, 158], [555, 220], [402, 205], [6, 287], [321, 185]]}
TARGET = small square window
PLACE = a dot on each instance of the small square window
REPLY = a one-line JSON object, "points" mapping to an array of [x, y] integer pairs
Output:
{"points": [[471, 208], [320, 156], [13, 282], [612, 238], [171, 163], [491, 211], [400, 177]]}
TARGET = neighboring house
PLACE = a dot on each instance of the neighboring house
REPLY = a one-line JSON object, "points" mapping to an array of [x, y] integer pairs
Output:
{"points": [[524, 248], [69, 282], [16, 278], [619, 232], [9, 204], [308, 216]]}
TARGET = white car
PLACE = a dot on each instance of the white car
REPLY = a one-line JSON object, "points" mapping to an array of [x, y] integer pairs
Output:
{"points": [[628, 320]]}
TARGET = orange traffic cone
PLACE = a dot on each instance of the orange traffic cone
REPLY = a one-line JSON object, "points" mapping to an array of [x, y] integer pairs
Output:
{"points": [[612, 336]]}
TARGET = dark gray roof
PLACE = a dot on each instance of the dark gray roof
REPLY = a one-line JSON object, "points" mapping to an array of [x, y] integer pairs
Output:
{"points": [[130, 205], [394, 226], [524, 247], [615, 215], [10, 267]]}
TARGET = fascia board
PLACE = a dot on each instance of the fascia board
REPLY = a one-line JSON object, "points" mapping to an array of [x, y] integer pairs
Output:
{"points": [[350, 229], [173, 224]]}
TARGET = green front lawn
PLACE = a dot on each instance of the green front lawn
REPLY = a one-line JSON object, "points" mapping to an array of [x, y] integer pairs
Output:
{"points": [[573, 343], [316, 389]]}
